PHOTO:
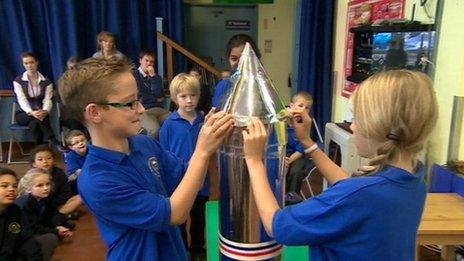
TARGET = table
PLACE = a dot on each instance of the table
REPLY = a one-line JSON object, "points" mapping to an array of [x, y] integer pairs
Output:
{"points": [[442, 223], [4, 93]]}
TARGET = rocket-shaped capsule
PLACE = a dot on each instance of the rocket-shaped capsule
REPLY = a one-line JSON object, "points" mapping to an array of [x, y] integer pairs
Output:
{"points": [[242, 236], [253, 93]]}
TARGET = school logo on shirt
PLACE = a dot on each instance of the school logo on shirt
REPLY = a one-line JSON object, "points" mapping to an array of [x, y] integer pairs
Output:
{"points": [[154, 166], [14, 228]]}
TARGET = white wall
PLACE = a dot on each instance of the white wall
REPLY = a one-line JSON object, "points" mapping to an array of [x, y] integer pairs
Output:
{"points": [[276, 24], [449, 81]]}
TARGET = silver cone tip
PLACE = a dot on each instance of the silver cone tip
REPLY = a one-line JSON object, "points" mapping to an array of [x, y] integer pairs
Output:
{"points": [[253, 94]]}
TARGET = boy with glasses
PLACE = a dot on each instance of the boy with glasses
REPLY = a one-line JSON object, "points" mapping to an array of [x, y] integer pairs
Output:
{"points": [[127, 179]]}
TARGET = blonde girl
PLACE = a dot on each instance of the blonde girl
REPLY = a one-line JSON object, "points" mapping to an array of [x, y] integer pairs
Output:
{"points": [[374, 216], [45, 222]]}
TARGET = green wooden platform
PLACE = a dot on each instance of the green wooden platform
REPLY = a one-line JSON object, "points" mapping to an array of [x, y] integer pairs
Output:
{"points": [[212, 239]]}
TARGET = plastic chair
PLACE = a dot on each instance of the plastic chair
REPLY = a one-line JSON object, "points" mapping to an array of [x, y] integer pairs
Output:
{"points": [[306, 190], [14, 127]]}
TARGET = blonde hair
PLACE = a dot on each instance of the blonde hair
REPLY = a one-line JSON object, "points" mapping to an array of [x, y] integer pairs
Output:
{"points": [[91, 81], [72, 134], [183, 82], [397, 108], [103, 36], [27, 181], [304, 95]]}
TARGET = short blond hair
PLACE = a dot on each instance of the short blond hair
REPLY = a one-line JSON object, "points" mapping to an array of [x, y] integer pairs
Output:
{"points": [[91, 81], [183, 82], [397, 108], [304, 95]]}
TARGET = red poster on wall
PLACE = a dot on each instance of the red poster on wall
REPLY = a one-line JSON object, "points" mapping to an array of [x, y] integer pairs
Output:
{"points": [[363, 12]]}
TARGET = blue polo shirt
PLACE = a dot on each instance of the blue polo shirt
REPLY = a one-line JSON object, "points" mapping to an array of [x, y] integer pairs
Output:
{"points": [[220, 90], [128, 195], [74, 161], [180, 137], [364, 218], [293, 144]]}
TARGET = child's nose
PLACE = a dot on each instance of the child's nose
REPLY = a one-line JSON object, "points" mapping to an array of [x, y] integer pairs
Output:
{"points": [[140, 108]]}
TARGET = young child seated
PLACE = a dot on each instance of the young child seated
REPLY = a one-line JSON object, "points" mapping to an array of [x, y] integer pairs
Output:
{"points": [[44, 220], [179, 135], [75, 158], [298, 165], [138, 192], [61, 196], [16, 241]]}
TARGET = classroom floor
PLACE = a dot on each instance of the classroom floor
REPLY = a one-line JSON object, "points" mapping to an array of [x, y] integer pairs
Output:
{"points": [[87, 244]]}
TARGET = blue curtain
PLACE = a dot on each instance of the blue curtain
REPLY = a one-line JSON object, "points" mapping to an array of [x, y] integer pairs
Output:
{"points": [[57, 29], [315, 56]]}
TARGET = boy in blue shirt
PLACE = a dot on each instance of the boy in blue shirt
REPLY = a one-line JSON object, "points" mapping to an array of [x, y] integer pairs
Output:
{"points": [[127, 178], [298, 165], [179, 135], [75, 158]]}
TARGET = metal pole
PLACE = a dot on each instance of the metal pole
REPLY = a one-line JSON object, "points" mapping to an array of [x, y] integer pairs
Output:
{"points": [[160, 47]]}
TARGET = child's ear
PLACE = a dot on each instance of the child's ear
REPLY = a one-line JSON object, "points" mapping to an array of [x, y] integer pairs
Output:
{"points": [[34, 165], [92, 113]]}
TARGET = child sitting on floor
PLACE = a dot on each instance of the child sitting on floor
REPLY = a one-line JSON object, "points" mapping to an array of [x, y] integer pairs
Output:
{"points": [[44, 220], [61, 196], [16, 239]]}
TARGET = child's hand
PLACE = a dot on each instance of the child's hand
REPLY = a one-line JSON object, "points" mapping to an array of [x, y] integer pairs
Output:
{"points": [[301, 122], [216, 128], [254, 140], [72, 177], [151, 71], [210, 113], [64, 232]]}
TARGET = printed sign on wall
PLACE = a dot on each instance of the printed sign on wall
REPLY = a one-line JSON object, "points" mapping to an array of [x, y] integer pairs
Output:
{"points": [[238, 25]]}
